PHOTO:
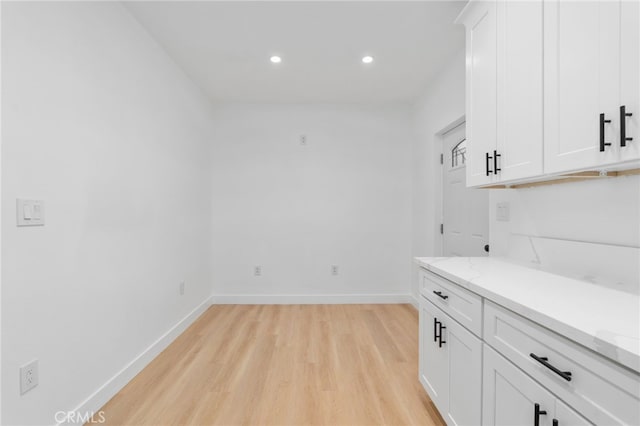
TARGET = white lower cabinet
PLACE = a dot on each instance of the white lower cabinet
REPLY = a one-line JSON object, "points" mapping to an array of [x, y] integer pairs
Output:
{"points": [[512, 398], [450, 366], [483, 364]]}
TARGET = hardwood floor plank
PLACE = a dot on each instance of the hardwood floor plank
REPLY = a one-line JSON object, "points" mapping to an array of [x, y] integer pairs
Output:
{"points": [[284, 365]]}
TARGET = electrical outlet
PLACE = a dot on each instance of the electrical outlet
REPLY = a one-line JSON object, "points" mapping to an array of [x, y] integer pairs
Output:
{"points": [[28, 377], [502, 212], [182, 288], [257, 271], [334, 269], [303, 140]]}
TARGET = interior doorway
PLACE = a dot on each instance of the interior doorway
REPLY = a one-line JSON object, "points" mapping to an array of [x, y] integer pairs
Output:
{"points": [[465, 211]]}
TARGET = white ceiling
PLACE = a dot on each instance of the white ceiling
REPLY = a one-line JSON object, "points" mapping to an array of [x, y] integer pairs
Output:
{"points": [[225, 47]]}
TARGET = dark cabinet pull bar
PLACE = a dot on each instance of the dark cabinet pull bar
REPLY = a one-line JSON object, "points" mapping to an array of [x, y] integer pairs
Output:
{"points": [[496, 169], [440, 341], [544, 361], [435, 329], [486, 163], [555, 422], [602, 142], [440, 295], [537, 412], [623, 126]]}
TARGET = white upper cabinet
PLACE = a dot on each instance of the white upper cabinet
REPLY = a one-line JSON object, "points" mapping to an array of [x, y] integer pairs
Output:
{"points": [[553, 87], [520, 91], [504, 90], [481, 90], [630, 80], [582, 68]]}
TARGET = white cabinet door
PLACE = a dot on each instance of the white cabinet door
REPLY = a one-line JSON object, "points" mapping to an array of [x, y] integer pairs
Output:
{"points": [[520, 90], [565, 416], [481, 90], [510, 397], [465, 374], [630, 79], [581, 81], [433, 357]]}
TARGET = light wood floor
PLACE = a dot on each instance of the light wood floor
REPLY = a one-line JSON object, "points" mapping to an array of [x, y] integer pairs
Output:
{"points": [[284, 365]]}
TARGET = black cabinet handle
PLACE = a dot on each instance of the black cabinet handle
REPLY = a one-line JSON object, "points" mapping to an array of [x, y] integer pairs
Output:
{"points": [[440, 341], [537, 412], [440, 295], [555, 422], [602, 142], [623, 126], [543, 360], [496, 169], [435, 329], [486, 163], [486, 248]]}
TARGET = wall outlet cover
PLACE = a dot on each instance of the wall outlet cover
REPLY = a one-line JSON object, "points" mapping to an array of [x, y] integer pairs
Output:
{"points": [[502, 212], [28, 377]]}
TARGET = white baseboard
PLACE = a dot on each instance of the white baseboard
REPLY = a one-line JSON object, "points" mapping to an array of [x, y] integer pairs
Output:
{"points": [[414, 301], [309, 299], [100, 397]]}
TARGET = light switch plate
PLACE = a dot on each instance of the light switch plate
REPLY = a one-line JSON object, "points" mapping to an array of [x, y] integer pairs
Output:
{"points": [[30, 212]]}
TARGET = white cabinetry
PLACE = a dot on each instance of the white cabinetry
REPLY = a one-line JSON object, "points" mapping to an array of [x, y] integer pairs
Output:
{"points": [[450, 366], [512, 398], [481, 90], [630, 78], [504, 90], [582, 83], [520, 90], [482, 363], [546, 82]]}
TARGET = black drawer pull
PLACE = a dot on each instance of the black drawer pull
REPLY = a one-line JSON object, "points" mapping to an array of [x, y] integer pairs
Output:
{"points": [[496, 169], [435, 329], [602, 142], [537, 413], [544, 361], [486, 163], [623, 126], [440, 295], [440, 341], [555, 422]]}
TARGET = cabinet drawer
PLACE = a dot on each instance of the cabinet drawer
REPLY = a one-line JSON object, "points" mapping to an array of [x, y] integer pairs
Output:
{"points": [[459, 303], [597, 388]]}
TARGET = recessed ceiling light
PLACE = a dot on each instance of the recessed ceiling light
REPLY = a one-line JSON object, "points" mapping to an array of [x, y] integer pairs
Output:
{"points": [[275, 59], [367, 59]]}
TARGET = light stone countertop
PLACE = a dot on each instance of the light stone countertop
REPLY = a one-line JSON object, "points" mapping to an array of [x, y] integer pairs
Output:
{"points": [[600, 318]]}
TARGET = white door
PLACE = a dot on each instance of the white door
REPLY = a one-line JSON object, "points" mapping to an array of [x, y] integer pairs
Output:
{"points": [[630, 79], [433, 355], [481, 90], [520, 91], [581, 82], [510, 397], [465, 375], [567, 417], [465, 210]]}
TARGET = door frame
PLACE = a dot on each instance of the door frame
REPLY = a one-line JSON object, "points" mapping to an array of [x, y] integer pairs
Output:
{"points": [[439, 178]]}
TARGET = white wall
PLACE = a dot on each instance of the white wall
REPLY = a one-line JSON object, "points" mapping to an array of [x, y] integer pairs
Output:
{"points": [[440, 106], [343, 199], [100, 124]]}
